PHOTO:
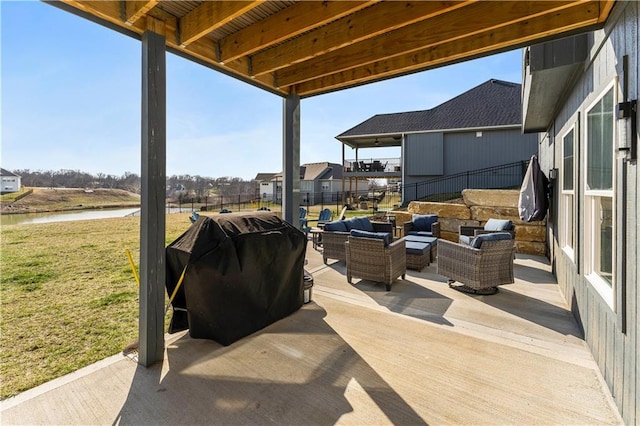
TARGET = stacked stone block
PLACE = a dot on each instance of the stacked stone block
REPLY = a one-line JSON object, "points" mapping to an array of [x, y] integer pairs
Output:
{"points": [[479, 206]]}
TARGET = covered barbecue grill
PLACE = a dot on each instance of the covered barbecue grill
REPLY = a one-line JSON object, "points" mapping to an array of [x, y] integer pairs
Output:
{"points": [[243, 272]]}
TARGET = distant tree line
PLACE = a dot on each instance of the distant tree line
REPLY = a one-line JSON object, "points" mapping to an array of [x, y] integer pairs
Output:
{"points": [[178, 186]]}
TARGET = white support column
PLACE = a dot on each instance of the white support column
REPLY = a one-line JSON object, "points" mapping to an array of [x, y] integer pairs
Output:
{"points": [[291, 159], [153, 200]]}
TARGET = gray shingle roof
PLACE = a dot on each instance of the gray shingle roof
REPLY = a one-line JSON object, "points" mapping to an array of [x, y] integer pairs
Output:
{"points": [[264, 177], [323, 170], [310, 171], [5, 172], [493, 103]]}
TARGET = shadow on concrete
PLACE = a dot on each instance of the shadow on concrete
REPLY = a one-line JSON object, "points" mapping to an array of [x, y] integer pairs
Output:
{"points": [[537, 311], [295, 371], [408, 298], [532, 274]]}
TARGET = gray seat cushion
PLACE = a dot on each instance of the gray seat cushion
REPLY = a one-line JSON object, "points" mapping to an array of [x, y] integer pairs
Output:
{"points": [[384, 236], [421, 233], [360, 223], [335, 226], [418, 248], [465, 239], [498, 225], [496, 236], [422, 239], [423, 222]]}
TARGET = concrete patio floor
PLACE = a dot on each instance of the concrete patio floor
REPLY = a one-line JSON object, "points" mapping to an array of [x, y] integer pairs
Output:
{"points": [[419, 354]]}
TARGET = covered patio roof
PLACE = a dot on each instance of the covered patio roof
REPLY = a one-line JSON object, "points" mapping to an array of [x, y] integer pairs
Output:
{"points": [[296, 50], [309, 48]]}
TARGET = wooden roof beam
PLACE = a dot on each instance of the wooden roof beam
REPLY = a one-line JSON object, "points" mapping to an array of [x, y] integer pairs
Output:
{"points": [[203, 49], [605, 9], [107, 10], [135, 10], [355, 28], [209, 16], [291, 22], [488, 42], [478, 18]]}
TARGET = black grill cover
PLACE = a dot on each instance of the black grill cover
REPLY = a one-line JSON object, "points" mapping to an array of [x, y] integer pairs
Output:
{"points": [[244, 272]]}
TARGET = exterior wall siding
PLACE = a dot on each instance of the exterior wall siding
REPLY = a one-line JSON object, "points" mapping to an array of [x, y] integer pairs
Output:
{"points": [[465, 151], [611, 334], [424, 154], [460, 152]]}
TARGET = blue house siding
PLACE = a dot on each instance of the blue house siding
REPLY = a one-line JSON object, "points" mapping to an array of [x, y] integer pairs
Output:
{"points": [[611, 330], [460, 152], [424, 154], [470, 151]]}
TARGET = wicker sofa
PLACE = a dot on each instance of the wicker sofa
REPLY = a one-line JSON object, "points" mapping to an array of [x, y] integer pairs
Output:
{"points": [[375, 259], [480, 267], [336, 234]]}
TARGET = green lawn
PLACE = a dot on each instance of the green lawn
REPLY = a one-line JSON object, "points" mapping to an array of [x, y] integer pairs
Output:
{"points": [[69, 297]]}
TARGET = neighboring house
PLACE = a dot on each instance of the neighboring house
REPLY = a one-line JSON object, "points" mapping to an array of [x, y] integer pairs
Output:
{"points": [[176, 190], [582, 93], [268, 185], [478, 129], [319, 183], [10, 181]]}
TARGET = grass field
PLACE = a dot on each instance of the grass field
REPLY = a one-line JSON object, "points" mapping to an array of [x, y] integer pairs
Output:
{"points": [[59, 199], [69, 297], [68, 294]]}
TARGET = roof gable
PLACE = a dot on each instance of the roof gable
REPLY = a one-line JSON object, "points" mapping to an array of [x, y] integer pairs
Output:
{"points": [[264, 177], [323, 170], [5, 172], [491, 104]]}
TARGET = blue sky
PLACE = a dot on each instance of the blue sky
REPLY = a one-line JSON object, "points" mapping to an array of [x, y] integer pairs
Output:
{"points": [[70, 99]]}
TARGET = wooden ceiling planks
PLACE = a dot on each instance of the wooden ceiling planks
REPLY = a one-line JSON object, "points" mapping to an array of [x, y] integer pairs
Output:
{"points": [[315, 47]]}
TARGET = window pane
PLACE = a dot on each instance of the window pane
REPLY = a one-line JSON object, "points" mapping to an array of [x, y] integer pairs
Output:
{"points": [[600, 144], [567, 177], [569, 222], [604, 256]]}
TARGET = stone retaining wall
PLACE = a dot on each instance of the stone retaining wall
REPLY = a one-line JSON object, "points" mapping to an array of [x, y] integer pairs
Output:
{"points": [[479, 206]]}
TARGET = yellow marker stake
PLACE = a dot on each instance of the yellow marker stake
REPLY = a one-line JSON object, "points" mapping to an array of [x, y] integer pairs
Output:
{"points": [[133, 267], [175, 290]]}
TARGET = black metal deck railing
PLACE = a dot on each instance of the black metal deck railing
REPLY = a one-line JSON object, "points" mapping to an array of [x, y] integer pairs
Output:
{"points": [[442, 188]]}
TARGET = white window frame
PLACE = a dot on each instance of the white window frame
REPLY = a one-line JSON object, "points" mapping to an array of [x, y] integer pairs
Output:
{"points": [[591, 241], [568, 216]]}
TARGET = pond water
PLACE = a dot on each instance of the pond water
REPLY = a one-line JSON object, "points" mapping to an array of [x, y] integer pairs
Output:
{"points": [[28, 218]]}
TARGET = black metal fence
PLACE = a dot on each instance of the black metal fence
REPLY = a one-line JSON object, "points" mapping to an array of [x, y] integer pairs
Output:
{"points": [[387, 198], [443, 188]]}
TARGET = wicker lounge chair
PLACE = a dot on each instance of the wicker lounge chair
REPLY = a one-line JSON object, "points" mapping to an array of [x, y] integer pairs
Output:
{"points": [[480, 267], [425, 225], [467, 233], [371, 259]]}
